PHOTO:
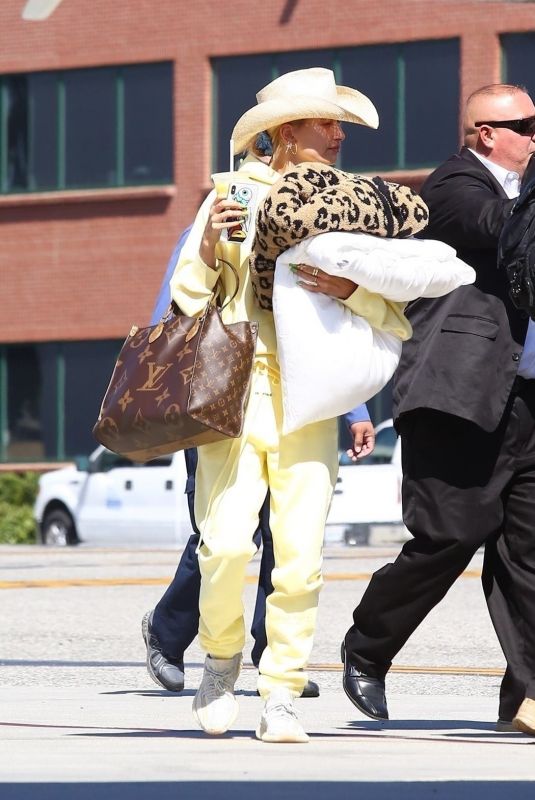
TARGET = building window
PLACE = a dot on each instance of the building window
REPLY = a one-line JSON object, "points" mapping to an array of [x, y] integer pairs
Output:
{"points": [[50, 395], [86, 128], [517, 60], [414, 85]]}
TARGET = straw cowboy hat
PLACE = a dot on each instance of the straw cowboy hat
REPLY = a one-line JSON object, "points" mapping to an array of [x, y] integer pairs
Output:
{"points": [[303, 94]]}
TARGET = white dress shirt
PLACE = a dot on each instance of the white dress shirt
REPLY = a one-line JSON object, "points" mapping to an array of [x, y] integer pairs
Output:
{"points": [[510, 182]]}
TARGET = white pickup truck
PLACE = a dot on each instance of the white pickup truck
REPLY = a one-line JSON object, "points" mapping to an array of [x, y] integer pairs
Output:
{"points": [[108, 500], [366, 505]]}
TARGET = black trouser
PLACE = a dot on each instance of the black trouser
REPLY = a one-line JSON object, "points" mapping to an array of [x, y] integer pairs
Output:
{"points": [[176, 617], [462, 488]]}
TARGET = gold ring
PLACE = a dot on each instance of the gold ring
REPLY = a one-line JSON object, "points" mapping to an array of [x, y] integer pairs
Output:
{"points": [[315, 272]]}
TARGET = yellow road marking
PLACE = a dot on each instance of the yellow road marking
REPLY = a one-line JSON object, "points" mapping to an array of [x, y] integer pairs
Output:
{"points": [[365, 576], [66, 583], [405, 669]]}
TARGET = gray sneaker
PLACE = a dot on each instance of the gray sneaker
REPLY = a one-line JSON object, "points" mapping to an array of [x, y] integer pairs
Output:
{"points": [[164, 671], [214, 706]]}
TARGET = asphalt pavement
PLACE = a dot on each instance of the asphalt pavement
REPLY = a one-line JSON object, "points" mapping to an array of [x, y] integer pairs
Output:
{"points": [[79, 714]]}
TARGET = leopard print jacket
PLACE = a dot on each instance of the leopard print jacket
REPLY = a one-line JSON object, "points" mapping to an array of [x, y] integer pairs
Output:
{"points": [[313, 199]]}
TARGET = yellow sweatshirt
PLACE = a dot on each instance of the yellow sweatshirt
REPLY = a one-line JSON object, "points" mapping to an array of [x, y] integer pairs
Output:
{"points": [[194, 281]]}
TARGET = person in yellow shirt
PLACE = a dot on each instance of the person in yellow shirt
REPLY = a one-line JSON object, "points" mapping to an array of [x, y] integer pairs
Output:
{"points": [[302, 112]]}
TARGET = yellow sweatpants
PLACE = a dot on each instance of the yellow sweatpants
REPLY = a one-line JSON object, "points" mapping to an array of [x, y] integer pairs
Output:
{"points": [[231, 482]]}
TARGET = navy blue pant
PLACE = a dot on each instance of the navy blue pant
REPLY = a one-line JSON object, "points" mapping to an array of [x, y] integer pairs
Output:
{"points": [[176, 617]]}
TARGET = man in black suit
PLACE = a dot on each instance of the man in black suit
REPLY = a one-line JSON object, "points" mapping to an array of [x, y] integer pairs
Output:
{"points": [[464, 405]]}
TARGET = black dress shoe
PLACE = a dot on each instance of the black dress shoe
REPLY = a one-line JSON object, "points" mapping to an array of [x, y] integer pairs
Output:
{"points": [[311, 690], [365, 692]]}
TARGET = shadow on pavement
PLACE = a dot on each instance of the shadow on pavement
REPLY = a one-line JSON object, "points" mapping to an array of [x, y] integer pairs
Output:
{"points": [[281, 790], [165, 693], [422, 725]]}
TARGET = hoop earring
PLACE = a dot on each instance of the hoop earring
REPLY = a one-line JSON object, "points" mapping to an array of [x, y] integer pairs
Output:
{"points": [[291, 147]]}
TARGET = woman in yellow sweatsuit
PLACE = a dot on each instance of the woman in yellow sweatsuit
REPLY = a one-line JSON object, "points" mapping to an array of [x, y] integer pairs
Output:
{"points": [[302, 111]]}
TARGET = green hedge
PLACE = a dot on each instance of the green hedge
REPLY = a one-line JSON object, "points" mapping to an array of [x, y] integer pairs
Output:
{"points": [[17, 496]]}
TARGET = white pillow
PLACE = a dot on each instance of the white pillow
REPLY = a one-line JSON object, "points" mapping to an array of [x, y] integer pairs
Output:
{"points": [[332, 360], [398, 269]]}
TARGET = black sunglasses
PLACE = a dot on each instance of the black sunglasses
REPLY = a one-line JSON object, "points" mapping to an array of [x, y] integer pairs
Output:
{"points": [[525, 127]]}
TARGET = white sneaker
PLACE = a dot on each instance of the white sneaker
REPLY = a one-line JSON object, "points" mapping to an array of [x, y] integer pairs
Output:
{"points": [[214, 706], [279, 722]]}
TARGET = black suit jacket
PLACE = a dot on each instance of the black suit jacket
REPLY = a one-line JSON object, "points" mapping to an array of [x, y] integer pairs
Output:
{"points": [[464, 353]]}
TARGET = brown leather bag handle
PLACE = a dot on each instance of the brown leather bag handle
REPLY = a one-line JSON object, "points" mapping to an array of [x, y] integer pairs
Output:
{"points": [[173, 307], [237, 278]]}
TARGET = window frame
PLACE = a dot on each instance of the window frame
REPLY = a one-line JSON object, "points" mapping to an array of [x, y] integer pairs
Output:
{"points": [[58, 397], [120, 155], [511, 39], [400, 52]]}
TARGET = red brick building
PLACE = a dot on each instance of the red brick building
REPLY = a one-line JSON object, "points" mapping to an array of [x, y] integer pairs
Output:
{"points": [[113, 116]]}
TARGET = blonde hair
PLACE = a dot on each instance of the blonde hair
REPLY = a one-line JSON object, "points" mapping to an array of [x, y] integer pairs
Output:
{"points": [[278, 144]]}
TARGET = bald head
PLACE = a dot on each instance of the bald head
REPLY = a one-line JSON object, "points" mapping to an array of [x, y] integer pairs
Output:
{"points": [[504, 145], [490, 102]]}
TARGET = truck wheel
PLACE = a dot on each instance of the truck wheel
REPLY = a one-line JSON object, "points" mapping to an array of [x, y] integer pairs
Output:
{"points": [[357, 534], [58, 529]]}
